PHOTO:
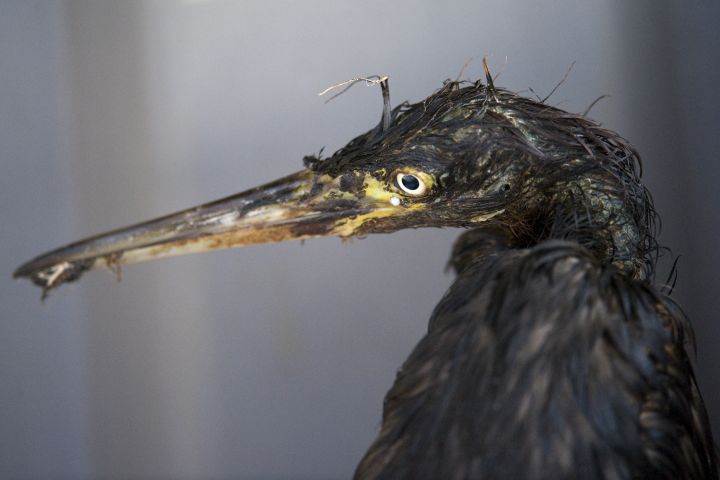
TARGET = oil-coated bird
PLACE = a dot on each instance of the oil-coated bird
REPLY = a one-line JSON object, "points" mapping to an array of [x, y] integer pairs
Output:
{"points": [[552, 356]]}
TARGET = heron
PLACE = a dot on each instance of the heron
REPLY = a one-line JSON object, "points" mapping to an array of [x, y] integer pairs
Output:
{"points": [[552, 355]]}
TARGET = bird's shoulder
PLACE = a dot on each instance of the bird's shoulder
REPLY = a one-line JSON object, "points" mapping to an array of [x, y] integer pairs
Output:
{"points": [[543, 363]]}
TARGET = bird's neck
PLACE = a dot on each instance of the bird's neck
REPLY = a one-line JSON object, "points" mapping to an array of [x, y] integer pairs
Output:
{"points": [[604, 221], [601, 217], [579, 182]]}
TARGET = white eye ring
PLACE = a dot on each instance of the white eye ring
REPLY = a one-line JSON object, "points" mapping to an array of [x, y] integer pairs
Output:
{"points": [[411, 184]]}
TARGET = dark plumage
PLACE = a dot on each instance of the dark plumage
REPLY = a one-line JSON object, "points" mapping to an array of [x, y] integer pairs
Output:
{"points": [[541, 363], [555, 174], [546, 358], [552, 356]]}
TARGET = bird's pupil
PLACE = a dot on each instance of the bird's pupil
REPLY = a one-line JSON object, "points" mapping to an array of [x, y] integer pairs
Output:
{"points": [[410, 182]]}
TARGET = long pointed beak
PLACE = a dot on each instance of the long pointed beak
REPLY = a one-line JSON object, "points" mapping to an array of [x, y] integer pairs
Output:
{"points": [[300, 206]]}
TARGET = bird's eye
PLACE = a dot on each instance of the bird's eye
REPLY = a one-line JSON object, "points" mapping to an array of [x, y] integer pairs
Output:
{"points": [[411, 184]]}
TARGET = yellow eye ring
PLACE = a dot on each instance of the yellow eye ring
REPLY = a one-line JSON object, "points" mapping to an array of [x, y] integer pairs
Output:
{"points": [[411, 184]]}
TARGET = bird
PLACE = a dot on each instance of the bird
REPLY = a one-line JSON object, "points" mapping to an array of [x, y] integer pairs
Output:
{"points": [[553, 355]]}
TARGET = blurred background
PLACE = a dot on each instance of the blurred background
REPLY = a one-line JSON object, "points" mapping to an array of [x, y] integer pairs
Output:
{"points": [[271, 362]]}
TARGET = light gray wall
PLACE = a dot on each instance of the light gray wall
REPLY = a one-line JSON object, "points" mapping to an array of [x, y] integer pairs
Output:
{"points": [[272, 361]]}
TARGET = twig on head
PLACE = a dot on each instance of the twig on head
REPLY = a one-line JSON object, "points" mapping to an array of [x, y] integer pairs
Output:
{"points": [[371, 80]]}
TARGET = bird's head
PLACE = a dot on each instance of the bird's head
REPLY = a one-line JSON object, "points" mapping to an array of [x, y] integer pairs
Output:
{"points": [[467, 156]]}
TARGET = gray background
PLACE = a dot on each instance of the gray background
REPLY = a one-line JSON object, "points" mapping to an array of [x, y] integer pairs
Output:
{"points": [[272, 361]]}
